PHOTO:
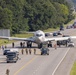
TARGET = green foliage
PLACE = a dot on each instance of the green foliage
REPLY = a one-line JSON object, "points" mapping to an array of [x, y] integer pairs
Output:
{"points": [[5, 18], [31, 15]]}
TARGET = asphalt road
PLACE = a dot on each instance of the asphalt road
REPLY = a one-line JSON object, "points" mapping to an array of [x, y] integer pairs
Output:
{"points": [[58, 62]]}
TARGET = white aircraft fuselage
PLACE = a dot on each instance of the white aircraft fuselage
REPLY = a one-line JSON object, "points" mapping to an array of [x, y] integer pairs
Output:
{"points": [[39, 37]]}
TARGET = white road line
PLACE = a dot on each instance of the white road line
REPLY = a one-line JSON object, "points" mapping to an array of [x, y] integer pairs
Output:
{"points": [[60, 62]]}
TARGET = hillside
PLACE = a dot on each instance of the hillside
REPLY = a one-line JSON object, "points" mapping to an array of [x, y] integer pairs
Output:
{"points": [[32, 15]]}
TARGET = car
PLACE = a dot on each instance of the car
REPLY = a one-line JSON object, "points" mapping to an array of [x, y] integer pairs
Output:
{"points": [[59, 33], [68, 27], [70, 44], [61, 27], [55, 34], [68, 40], [5, 51], [48, 34], [74, 25]]}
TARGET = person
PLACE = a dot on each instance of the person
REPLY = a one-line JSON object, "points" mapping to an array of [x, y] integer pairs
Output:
{"points": [[22, 51], [50, 44], [30, 51], [55, 46], [5, 46], [13, 44], [34, 51], [21, 44], [26, 51], [2, 47], [7, 71]]}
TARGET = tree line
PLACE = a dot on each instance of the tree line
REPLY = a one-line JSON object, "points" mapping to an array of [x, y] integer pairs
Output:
{"points": [[31, 15]]}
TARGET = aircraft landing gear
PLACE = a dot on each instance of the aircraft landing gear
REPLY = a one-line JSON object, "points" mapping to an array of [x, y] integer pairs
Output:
{"points": [[29, 44], [40, 45]]}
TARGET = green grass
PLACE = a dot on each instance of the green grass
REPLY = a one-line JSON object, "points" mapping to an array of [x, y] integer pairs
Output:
{"points": [[4, 42], [24, 35], [51, 29], [73, 71]]}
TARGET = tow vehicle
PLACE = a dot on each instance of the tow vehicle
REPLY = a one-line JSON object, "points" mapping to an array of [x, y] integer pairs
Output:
{"points": [[44, 51]]}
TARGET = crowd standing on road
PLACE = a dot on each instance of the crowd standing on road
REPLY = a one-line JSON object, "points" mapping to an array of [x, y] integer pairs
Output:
{"points": [[28, 51]]}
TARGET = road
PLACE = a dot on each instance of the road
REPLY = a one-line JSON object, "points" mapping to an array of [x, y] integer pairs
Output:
{"points": [[58, 62]]}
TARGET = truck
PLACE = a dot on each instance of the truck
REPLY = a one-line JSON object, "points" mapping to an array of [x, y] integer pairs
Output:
{"points": [[12, 56]]}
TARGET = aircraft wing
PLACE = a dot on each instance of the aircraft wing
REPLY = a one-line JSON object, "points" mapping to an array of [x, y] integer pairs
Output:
{"points": [[16, 38], [60, 38]]}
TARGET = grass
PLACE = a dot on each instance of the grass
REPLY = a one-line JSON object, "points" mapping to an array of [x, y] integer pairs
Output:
{"points": [[51, 29], [73, 71], [24, 35], [4, 42]]}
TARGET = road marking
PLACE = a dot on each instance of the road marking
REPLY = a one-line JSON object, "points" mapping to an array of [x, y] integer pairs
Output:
{"points": [[25, 65], [60, 62]]}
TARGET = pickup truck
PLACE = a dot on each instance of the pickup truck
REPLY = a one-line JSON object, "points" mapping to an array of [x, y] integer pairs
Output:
{"points": [[70, 44], [12, 57]]}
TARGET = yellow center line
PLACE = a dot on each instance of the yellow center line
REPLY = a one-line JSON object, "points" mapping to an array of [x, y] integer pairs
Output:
{"points": [[25, 65]]}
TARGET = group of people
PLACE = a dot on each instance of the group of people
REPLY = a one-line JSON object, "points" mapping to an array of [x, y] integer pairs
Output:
{"points": [[22, 44], [3, 47], [50, 45], [28, 51]]}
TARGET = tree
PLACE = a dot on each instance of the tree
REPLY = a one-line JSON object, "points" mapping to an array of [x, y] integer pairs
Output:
{"points": [[5, 18], [31, 15]]}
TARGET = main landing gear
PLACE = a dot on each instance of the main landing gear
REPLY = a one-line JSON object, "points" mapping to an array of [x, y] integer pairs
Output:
{"points": [[29, 44]]}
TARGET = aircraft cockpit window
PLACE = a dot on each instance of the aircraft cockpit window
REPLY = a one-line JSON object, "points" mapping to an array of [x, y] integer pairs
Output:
{"points": [[38, 35]]}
